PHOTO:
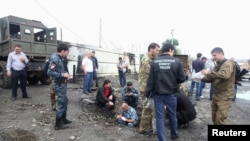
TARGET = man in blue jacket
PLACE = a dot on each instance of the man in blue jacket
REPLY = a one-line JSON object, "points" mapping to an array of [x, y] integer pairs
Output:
{"points": [[130, 94]]}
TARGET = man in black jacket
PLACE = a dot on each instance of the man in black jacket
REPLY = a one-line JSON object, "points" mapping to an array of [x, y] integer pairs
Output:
{"points": [[105, 95], [166, 74], [185, 110]]}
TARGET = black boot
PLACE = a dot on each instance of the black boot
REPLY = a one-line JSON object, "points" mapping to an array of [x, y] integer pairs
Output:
{"points": [[59, 125], [65, 120]]}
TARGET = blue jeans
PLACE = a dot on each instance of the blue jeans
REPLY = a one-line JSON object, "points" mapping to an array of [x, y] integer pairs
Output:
{"points": [[128, 124], [202, 86], [87, 82], [198, 89], [122, 78], [170, 101], [211, 90]]}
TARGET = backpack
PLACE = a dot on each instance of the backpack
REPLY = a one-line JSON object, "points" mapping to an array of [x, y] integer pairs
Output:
{"points": [[237, 71], [45, 69]]}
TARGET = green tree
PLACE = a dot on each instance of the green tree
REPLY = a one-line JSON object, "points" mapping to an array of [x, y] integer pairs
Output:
{"points": [[175, 43], [169, 41]]}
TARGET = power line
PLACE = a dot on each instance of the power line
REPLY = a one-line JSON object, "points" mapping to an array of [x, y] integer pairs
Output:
{"points": [[50, 14]]}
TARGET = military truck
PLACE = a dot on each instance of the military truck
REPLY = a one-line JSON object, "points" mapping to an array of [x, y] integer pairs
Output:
{"points": [[38, 43], [186, 63]]}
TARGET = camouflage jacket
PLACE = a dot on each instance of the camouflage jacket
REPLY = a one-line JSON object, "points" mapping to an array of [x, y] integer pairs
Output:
{"points": [[144, 71], [223, 78], [56, 68]]}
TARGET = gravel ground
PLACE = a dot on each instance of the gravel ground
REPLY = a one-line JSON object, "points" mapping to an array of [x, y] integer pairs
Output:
{"points": [[33, 120]]}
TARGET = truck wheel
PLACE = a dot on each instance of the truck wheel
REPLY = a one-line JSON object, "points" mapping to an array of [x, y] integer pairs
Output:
{"points": [[45, 81], [33, 80], [5, 82]]}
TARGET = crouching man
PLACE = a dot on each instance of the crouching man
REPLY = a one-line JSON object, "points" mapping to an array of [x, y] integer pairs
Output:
{"points": [[105, 95], [128, 116], [185, 110], [130, 95]]}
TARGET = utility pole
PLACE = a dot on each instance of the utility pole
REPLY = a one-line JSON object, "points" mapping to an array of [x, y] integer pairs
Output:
{"points": [[100, 34], [172, 34]]}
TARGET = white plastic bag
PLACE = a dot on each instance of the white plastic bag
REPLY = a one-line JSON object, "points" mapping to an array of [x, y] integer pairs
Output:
{"points": [[197, 76], [148, 103]]}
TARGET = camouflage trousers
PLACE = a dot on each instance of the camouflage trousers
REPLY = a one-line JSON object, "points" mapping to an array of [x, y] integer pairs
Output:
{"points": [[147, 121], [62, 100], [220, 110], [53, 95]]}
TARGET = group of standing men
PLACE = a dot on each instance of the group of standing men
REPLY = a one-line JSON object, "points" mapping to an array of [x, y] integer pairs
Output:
{"points": [[164, 74], [159, 79]]}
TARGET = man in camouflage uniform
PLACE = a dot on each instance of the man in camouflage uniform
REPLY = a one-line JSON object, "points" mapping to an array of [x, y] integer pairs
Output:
{"points": [[223, 77], [53, 95], [147, 114], [60, 76]]}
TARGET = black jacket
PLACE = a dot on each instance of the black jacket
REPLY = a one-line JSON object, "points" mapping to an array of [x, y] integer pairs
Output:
{"points": [[166, 73], [100, 96], [185, 108]]}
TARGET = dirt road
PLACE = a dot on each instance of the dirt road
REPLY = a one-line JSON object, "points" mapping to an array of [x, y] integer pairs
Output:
{"points": [[33, 120]]}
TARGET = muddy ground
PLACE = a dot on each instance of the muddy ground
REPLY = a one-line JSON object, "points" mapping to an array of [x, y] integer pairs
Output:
{"points": [[33, 120]]}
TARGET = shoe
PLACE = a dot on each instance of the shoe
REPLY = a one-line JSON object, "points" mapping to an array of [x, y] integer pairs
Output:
{"points": [[174, 138], [183, 126], [13, 98], [59, 125], [65, 120], [202, 96], [197, 99], [27, 97]]}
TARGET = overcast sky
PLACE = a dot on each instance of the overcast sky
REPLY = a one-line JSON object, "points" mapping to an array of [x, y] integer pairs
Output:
{"points": [[199, 25]]}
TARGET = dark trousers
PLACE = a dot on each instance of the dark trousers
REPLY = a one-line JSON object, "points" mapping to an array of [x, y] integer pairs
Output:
{"points": [[101, 102], [95, 78], [15, 76]]}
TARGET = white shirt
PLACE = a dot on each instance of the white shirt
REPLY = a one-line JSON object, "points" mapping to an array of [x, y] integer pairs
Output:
{"points": [[14, 61], [122, 64], [88, 64]]}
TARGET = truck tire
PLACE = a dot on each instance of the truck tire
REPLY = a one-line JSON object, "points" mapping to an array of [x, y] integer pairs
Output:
{"points": [[5, 82], [33, 80], [45, 81]]}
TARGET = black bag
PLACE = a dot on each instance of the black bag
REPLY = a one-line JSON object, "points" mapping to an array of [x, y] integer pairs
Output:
{"points": [[45, 69]]}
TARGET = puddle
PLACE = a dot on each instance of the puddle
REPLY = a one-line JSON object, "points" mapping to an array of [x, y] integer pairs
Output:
{"points": [[244, 95]]}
